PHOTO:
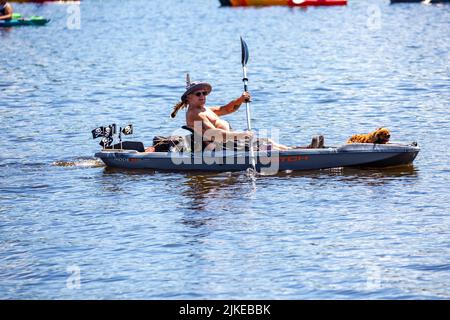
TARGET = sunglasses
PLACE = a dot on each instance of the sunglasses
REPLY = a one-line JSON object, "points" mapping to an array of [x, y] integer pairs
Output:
{"points": [[200, 93]]}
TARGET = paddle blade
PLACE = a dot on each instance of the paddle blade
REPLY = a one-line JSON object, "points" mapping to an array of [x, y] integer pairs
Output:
{"points": [[244, 49]]}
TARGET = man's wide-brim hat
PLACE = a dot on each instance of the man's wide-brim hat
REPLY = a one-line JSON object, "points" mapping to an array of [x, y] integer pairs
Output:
{"points": [[195, 86]]}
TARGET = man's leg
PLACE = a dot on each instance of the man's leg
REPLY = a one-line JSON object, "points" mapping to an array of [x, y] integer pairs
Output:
{"points": [[275, 146]]}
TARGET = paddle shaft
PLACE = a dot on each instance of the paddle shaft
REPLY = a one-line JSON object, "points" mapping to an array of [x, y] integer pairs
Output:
{"points": [[245, 55], [249, 126], [247, 106]]}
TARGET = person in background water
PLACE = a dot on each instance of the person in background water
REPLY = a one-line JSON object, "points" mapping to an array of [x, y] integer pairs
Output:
{"points": [[6, 10]]}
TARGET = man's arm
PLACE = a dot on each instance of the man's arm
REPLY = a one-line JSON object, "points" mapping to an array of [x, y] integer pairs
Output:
{"points": [[9, 12], [232, 106], [211, 133]]}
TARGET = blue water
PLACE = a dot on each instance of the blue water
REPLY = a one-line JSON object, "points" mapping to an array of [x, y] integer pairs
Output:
{"points": [[72, 229]]}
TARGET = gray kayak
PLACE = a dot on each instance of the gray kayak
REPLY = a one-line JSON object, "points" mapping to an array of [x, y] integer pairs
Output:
{"points": [[349, 155]]}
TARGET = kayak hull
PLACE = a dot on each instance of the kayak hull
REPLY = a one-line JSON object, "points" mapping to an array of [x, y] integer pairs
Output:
{"points": [[351, 155], [19, 23]]}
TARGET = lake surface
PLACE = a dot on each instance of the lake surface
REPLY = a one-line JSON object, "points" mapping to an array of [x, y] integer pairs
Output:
{"points": [[72, 229]]}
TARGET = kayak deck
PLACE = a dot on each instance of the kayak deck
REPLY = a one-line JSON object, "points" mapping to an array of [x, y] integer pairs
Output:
{"points": [[350, 155]]}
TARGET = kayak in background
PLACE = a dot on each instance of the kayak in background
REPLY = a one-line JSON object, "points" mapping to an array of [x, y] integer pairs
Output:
{"points": [[42, 1], [317, 3], [18, 21], [420, 1], [290, 3]]}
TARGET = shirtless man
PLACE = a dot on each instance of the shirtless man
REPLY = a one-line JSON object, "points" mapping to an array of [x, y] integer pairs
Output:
{"points": [[6, 10], [207, 122]]}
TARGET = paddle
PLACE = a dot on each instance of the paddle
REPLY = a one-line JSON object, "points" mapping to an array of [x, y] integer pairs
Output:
{"points": [[244, 49]]}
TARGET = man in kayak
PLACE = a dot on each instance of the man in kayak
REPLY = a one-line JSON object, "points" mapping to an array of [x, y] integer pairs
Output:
{"points": [[207, 122], [6, 10]]}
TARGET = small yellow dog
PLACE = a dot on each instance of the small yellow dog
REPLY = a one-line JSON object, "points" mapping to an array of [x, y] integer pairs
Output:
{"points": [[381, 135]]}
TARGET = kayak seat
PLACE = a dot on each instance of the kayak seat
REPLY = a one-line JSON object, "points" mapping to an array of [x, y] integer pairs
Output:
{"points": [[192, 141], [129, 145], [188, 129]]}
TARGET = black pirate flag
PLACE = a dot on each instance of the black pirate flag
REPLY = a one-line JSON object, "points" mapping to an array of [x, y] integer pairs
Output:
{"points": [[106, 142], [98, 132], [128, 130], [110, 130], [107, 131]]}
